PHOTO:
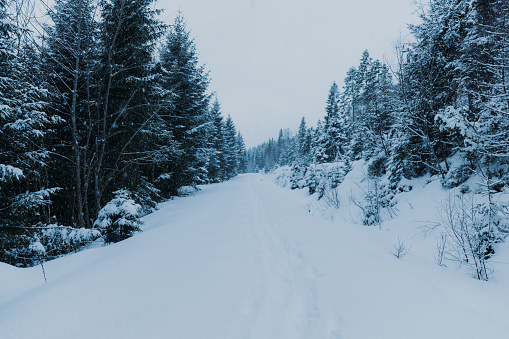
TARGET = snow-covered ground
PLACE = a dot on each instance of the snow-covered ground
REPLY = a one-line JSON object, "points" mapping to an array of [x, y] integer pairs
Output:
{"points": [[248, 259]]}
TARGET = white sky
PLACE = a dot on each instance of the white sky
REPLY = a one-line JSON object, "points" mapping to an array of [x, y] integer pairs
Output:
{"points": [[272, 62]]}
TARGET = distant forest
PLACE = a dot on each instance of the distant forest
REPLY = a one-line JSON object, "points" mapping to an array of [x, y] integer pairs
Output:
{"points": [[447, 95]]}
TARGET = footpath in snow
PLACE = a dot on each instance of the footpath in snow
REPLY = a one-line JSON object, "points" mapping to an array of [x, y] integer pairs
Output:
{"points": [[246, 259]]}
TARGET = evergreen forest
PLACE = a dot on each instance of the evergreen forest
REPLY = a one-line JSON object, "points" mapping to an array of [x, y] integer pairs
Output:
{"points": [[104, 112], [441, 110]]}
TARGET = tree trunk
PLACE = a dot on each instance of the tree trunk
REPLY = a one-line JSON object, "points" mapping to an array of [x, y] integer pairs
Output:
{"points": [[74, 131]]}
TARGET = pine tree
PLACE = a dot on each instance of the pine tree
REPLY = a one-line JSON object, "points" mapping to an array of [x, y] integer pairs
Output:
{"points": [[282, 148], [270, 156], [217, 162], [24, 192], [428, 85], [241, 154], [128, 111], [484, 66], [378, 102], [8, 172], [187, 83], [71, 61], [303, 139], [352, 108], [332, 127], [319, 144], [231, 150]]}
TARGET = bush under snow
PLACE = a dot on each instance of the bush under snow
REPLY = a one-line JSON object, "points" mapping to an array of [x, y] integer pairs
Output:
{"points": [[58, 240], [119, 219]]}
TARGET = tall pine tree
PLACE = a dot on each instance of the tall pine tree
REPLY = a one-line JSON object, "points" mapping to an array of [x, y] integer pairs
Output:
{"points": [[187, 85]]}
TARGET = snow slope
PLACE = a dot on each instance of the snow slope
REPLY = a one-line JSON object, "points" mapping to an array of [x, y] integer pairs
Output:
{"points": [[246, 259]]}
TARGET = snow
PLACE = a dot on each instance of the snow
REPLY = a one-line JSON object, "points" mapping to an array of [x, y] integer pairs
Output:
{"points": [[122, 206], [8, 172], [37, 247], [247, 259]]}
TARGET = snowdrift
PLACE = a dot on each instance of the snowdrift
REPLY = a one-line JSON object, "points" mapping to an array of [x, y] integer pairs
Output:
{"points": [[248, 259]]}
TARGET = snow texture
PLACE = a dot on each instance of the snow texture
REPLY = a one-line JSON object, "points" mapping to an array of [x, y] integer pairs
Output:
{"points": [[9, 172], [248, 259]]}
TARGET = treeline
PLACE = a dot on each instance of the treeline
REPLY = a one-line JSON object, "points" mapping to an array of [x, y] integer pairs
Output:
{"points": [[103, 113], [442, 110], [448, 95]]}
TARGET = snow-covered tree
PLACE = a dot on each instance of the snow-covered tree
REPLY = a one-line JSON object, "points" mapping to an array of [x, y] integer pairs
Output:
{"points": [[187, 85], [231, 150], [24, 191], [428, 84], [71, 65], [304, 143], [129, 142], [241, 153], [319, 144], [217, 162], [484, 64], [119, 218], [332, 128]]}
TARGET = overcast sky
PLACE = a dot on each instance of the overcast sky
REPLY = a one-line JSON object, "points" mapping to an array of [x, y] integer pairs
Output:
{"points": [[272, 62]]}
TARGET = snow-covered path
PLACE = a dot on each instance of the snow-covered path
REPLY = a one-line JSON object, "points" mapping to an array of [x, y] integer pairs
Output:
{"points": [[244, 259]]}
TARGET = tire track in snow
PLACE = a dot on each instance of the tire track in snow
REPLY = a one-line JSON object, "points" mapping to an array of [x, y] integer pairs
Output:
{"points": [[282, 300]]}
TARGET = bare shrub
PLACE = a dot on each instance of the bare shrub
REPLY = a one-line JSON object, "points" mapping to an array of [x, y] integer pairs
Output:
{"points": [[332, 197], [466, 239], [441, 247], [371, 204], [400, 249]]}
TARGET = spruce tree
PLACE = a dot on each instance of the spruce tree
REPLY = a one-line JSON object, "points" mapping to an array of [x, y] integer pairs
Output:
{"points": [[216, 165], [71, 65], [302, 139], [241, 153], [428, 85], [25, 194], [378, 105], [484, 66], [319, 144], [188, 115], [128, 139], [8, 173], [231, 149], [332, 127]]}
